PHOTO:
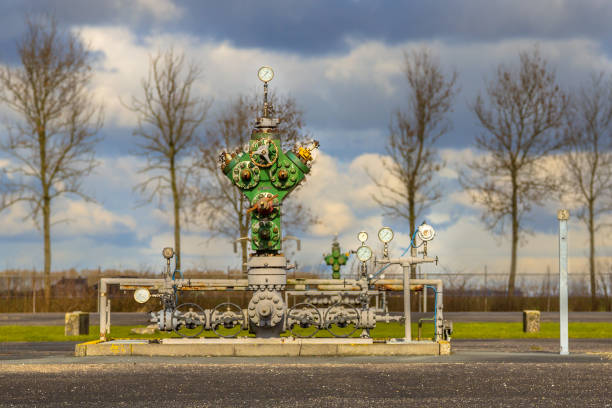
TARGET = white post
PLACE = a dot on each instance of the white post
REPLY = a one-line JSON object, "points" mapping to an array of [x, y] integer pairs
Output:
{"points": [[103, 304], [407, 321], [34, 292], [563, 216]]}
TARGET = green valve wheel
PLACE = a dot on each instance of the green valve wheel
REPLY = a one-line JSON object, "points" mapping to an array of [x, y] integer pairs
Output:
{"points": [[285, 175], [245, 175]]}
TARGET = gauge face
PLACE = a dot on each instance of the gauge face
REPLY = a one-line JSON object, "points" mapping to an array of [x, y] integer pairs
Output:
{"points": [[426, 232], [142, 295], [385, 234], [362, 236], [265, 74], [364, 253], [168, 252]]}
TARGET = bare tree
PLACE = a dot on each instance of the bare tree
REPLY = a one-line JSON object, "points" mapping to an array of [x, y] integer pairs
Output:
{"points": [[413, 134], [220, 204], [169, 115], [588, 160], [52, 143], [521, 115]]}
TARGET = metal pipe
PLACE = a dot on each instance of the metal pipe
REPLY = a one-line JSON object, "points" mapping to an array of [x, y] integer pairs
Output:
{"points": [[339, 287], [439, 310], [563, 216], [407, 321]]}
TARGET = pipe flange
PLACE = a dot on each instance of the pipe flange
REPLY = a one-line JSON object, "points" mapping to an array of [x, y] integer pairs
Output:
{"points": [[266, 308]]}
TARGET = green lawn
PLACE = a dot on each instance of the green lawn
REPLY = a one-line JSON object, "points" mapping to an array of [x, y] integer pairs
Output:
{"points": [[382, 330]]}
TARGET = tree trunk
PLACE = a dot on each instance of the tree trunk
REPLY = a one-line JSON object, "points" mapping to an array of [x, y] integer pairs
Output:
{"points": [[412, 221], [46, 210], [515, 239], [177, 214], [591, 228]]}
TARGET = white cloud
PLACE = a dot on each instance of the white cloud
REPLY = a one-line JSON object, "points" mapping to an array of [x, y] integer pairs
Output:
{"points": [[86, 218], [15, 221], [361, 84]]}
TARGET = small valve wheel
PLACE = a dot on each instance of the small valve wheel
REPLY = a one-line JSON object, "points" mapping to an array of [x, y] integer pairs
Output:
{"points": [[263, 152], [245, 175]]}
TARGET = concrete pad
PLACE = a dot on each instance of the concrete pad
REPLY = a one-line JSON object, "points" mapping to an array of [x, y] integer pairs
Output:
{"points": [[184, 350], [251, 340], [259, 347], [382, 349], [253, 350], [310, 349]]}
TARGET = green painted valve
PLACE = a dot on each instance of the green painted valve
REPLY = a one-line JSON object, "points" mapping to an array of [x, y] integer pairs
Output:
{"points": [[336, 259], [266, 175]]}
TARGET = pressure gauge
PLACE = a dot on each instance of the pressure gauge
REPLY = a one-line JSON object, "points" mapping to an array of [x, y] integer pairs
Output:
{"points": [[426, 232], [364, 253], [142, 295], [385, 234], [362, 236], [168, 252], [265, 74]]}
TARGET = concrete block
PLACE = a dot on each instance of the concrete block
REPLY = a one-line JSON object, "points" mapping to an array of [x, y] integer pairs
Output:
{"points": [[445, 348], [254, 350], [105, 349], [380, 349], [183, 350], [80, 350], [76, 323], [310, 349], [531, 321]]}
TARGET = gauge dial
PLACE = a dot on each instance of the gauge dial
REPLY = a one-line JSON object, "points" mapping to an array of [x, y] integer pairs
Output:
{"points": [[385, 234], [426, 232], [364, 253], [142, 295], [362, 236], [265, 74], [168, 252]]}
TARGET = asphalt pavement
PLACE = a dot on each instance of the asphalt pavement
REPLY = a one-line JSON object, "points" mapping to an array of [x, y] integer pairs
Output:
{"points": [[478, 373], [461, 380], [128, 319]]}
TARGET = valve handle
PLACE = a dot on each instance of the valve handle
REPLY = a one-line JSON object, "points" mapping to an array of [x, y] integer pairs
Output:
{"points": [[257, 205]]}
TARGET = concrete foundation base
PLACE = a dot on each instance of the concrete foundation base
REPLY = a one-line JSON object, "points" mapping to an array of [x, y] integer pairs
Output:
{"points": [[250, 347]]}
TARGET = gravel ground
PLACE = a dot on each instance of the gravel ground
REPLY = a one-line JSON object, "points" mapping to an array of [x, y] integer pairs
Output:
{"points": [[500, 373], [392, 384], [531, 345]]}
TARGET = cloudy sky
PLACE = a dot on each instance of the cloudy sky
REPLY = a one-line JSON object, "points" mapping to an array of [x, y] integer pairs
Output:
{"points": [[341, 61]]}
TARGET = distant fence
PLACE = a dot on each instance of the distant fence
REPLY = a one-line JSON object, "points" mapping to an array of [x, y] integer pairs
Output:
{"points": [[22, 291]]}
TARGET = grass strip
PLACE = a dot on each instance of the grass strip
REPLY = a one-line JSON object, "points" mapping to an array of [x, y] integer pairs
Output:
{"points": [[488, 330]]}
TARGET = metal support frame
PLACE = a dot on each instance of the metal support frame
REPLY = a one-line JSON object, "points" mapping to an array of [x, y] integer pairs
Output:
{"points": [[407, 263], [351, 286], [563, 216]]}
